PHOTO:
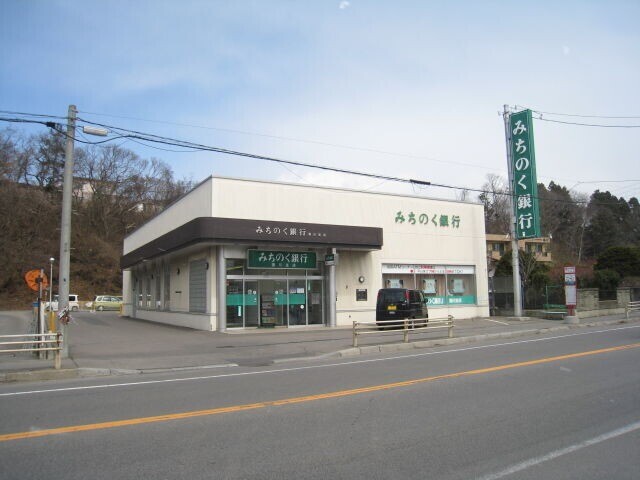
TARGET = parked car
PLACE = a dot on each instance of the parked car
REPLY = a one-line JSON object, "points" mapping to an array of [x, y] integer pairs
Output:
{"points": [[105, 302], [74, 305], [400, 304]]}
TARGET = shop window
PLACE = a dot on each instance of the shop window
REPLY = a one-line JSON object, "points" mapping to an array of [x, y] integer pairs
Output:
{"points": [[147, 291], [441, 284], [167, 286], [235, 266], [433, 288], [461, 289], [158, 286]]}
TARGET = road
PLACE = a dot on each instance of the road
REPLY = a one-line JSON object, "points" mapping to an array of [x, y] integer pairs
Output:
{"points": [[563, 406]]}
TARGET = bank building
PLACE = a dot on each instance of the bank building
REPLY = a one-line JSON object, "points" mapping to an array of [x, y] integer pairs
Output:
{"points": [[243, 254]]}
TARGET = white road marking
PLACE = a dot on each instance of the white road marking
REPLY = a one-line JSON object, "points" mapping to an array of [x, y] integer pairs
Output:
{"points": [[308, 367], [518, 467], [496, 321]]}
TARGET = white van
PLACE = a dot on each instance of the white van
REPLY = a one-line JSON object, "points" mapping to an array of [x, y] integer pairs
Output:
{"points": [[74, 305]]}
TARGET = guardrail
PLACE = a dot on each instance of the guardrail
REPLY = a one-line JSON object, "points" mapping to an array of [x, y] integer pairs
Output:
{"points": [[35, 342], [632, 307], [405, 326]]}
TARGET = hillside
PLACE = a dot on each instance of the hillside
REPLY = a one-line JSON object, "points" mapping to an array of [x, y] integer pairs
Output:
{"points": [[114, 192]]}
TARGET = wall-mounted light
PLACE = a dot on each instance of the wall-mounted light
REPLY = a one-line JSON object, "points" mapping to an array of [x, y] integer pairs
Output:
{"points": [[361, 279]]}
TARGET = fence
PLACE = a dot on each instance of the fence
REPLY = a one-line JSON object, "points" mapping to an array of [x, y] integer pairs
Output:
{"points": [[405, 326], [632, 307], [35, 342]]}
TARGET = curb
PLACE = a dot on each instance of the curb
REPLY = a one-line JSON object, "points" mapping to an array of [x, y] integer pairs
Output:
{"points": [[440, 342], [70, 373]]}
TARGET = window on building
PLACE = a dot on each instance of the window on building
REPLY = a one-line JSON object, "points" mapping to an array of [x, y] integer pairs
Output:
{"points": [[167, 286], [440, 284]]}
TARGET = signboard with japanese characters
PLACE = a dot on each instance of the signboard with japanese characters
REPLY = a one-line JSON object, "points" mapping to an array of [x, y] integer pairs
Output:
{"points": [[523, 166], [277, 259], [570, 287], [433, 220]]}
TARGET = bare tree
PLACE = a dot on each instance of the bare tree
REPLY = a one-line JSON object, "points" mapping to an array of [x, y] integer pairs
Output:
{"points": [[496, 204]]}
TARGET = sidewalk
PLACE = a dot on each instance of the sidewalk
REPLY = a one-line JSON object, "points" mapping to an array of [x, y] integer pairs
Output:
{"points": [[104, 344]]}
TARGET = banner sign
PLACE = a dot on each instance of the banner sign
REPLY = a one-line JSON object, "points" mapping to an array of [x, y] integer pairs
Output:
{"points": [[428, 269], [276, 259], [523, 168]]}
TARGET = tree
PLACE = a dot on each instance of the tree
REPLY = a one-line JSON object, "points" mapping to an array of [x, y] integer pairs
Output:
{"points": [[497, 213], [625, 261], [611, 222], [562, 218], [532, 272], [114, 191]]}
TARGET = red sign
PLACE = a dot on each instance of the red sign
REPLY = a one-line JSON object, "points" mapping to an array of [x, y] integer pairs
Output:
{"points": [[34, 278]]}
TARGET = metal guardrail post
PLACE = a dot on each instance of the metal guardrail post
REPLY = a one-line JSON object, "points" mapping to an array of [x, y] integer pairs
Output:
{"points": [[405, 337], [355, 334], [57, 362], [451, 326]]}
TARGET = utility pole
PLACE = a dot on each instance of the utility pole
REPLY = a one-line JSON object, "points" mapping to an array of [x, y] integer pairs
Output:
{"points": [[65, 227], [515, 262]]}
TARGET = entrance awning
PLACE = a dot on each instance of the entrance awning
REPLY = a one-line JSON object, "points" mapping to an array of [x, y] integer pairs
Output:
{"points": [[233, 230]]}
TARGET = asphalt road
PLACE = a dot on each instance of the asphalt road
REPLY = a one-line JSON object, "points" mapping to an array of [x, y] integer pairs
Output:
{"points": [[564, 406]]}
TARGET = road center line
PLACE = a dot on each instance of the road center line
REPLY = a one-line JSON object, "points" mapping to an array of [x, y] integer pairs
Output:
{"points": [[303, 399], [309, 367]]}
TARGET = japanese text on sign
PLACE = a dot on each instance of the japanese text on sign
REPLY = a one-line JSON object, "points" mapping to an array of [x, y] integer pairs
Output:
{"points": [[288, 231], [525, 186], [435, 220], [275, 259]]}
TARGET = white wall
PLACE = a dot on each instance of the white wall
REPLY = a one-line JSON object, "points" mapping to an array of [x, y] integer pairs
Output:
{"points": [[403, 242], [194, 204]]}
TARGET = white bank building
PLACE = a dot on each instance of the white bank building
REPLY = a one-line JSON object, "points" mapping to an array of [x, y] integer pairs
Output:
{"points": [[237, 253]]}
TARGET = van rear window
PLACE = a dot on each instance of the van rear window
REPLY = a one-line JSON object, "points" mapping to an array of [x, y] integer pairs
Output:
{"points": [[391, 296]]}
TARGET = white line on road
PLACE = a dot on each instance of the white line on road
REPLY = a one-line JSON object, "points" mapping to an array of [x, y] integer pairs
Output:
{"points": [[496, 321], [518, 467], [308, 367]]}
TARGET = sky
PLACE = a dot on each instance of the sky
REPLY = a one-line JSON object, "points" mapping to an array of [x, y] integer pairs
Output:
{"points": [[408, 89]]}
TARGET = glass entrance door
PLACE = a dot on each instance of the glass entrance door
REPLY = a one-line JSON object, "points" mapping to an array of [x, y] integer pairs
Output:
{"points": [[297, 303], [273, 302], [314, 302], [284, 301], [251, 308]]}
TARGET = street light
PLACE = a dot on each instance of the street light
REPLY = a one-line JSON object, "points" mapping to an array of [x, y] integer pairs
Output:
{"points": [[65, 224]]}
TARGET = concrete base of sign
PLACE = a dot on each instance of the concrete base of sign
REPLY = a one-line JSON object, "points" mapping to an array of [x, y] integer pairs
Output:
{"points": [[574, 319]]}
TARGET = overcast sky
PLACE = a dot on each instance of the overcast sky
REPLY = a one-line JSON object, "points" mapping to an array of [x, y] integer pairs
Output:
{"points": [[413, 87]]}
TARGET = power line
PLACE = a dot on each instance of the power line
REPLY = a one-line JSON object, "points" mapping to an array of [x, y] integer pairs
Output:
{"points": [[182, 143], [132, 134], [581, 116], [601, 125], [300, 140]]}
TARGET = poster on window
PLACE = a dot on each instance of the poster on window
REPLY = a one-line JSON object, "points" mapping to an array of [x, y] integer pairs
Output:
{"points": [[429, 285]]}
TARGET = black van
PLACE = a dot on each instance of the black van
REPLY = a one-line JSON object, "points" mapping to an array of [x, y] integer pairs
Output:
{"points": [[400, 303]]}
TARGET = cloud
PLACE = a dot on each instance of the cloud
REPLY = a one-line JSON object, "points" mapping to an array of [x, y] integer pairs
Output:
{"points": [[344, 4], [566, 50]]}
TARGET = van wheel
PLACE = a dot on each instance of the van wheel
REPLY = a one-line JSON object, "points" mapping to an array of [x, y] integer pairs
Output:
{"points": [[100, 308], [74, 309]]}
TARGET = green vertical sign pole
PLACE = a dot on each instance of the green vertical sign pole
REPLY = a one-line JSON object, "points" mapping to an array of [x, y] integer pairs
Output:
{"points": [[524, 181]]}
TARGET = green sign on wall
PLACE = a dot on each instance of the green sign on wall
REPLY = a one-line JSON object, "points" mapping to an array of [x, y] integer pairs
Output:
{"points": [[525, 183], [275, 259]]}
